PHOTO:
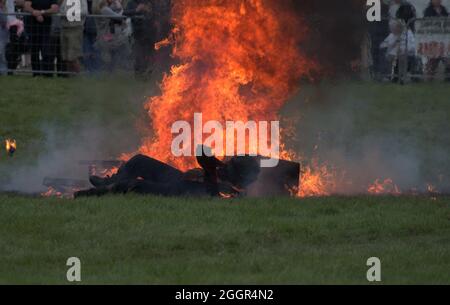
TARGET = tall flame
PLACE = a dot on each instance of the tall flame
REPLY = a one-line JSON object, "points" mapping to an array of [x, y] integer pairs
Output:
{"points": [[239, 60]]}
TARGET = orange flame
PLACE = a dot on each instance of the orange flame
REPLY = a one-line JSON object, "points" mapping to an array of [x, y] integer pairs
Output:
{"points": [[11, 146], [66, 193], [316, 181], [51, 192], [386, 187], [238, 61]]}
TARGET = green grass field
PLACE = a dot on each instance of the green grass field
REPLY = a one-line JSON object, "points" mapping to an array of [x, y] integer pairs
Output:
{"points": [[133, 239]]}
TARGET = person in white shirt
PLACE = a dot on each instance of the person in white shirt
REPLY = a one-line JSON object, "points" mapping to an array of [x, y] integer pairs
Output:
{"points": [[400, 42]]}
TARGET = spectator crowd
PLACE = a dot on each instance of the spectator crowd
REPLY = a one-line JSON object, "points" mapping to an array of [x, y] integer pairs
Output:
{"points": [[108, 36], [120, 34], [394, 38]]}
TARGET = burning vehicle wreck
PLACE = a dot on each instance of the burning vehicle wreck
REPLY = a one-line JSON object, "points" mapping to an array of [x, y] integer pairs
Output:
{"points": [[238, 176], [254, 142]]}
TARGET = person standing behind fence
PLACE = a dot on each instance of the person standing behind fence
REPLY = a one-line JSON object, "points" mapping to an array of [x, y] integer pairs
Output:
{"points": [[143, 35], [436, 10], [377, 33], [399, 43], [17, 39], [4, 37], [111, 40], [54, 47], [40, 31], [7, 21], [72, 37], [91, 60]]}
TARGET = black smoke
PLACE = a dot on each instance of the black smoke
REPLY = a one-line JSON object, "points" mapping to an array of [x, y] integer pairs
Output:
{"points": [[336, 31]]}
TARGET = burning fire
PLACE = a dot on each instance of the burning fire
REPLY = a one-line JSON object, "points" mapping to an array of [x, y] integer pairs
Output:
{"points": [[238, 61], [65, 194], [11, 146], [51, 192], [317, 180], [386, 187]]}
